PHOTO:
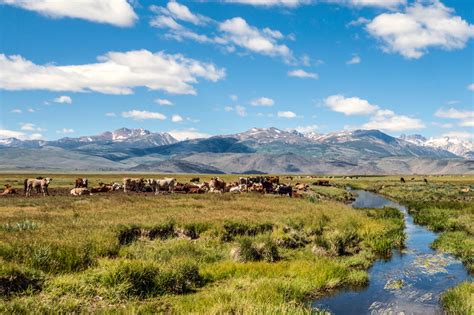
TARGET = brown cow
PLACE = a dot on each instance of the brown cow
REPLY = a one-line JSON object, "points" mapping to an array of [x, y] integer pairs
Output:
{"points": [[81, 182], [9, 190], [217, 185], [194, 180]]}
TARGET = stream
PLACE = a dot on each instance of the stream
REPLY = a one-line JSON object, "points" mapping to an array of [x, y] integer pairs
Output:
{"points": [[410, 282]]}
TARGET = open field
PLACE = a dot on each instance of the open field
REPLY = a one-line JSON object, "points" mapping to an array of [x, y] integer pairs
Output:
{"points": [[212, 253]]}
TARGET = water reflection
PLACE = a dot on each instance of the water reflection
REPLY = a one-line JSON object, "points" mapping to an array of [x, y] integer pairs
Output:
{"points": [[411, 282]]}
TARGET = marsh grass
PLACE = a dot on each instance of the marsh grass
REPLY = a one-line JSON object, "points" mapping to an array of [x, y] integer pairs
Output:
{"points": [[97, 255]]}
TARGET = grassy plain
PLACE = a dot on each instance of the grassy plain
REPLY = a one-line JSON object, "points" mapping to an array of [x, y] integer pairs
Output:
{"points": [[212, 253]]}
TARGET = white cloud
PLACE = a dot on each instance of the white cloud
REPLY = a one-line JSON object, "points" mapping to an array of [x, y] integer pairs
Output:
{"points": [[63, 99], [65, 131], [163, 21], [163, 102], [110, 115], [460, 134], [354, 60], [143, 114], [387, 120], [350, 106], [241, 111], [238, 32], [31, 110], [187, 134], [176, 118], [4, 133], [16, 111], [262, 101], [465, 117], [286, 3], [306, 129], [412, 32], [115, 12], [447, 126], [233, 97], [470, 87], [115, 73], [30, 127], [388, 4], [228, 108], [359, 21], [286, 114], [300, 73], [181, 12]]}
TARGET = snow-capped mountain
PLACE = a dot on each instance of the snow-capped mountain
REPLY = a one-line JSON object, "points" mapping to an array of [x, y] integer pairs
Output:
{"points": [[454, 145]]}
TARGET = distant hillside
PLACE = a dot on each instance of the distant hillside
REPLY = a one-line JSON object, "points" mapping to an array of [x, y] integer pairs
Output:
{"points": [[258, 150]]}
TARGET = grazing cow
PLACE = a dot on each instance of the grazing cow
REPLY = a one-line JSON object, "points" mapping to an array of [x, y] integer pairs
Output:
{"points": [[402, 180], [80, 191], [9, 190], [165, 184], [194, 180], [284, 190], [81, 182], [42, 184], [322, 182], [217, 185], [133, 184]]}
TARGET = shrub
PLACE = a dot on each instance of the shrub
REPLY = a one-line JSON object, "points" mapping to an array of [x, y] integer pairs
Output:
{"points": [[128, 234], [146, 279], [343, 242], [162, 231], [14, 280], [193, 230], [233, 229], [292, 240], [247, 251]]}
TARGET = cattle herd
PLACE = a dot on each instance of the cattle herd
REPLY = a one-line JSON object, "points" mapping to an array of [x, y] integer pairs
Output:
{"points": [[259, 184]]}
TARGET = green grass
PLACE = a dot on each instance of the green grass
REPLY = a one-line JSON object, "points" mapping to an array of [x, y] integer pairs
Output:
{"points": [[133, 253], [459, 300], [201, 254]]}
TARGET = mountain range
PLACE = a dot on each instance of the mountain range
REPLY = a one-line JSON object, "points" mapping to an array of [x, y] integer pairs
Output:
{"points": [[258, 150]]}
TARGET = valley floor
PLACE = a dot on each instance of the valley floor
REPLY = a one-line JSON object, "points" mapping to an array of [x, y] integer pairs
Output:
{"points": [[214, 253]]}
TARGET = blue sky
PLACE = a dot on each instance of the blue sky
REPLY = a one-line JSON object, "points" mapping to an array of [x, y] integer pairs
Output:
{"points": [[199, 68]]}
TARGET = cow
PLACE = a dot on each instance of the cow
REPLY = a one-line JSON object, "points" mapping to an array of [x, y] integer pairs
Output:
{"points": [[402, 180], [31, 183], [303, 187], [117, 186], [284, 190], [216, 185], [274, 179], [9, 190], [425, 180], [256, 187], [133, 184], [81, 182], [322, 182], [194, 180], [80, 191], [165, 184], [267, 186]]}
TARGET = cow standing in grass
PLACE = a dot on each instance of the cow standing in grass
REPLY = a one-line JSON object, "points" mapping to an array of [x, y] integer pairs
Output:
{"points": [[81, 183], [42, 184]]}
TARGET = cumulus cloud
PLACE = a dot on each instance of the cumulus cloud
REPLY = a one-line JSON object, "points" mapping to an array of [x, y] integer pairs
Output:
{"points": [[110, 115], [460, 134], [350, 105], [387, 120], [233, 97], [286, 114], [115, 12], [354, 60], [188, 134], [241, 111], [114, 73], [16, 111], [306, 129], [470, 87], [420, 27], [238, 32], [65, 131], [163, 102], [4, 133], [63, 99], [231, 33], [300, 73], [268, 3], [388, 4], [262, 101], [30, 127], [465, 118], [176, 118], [142, 115]]}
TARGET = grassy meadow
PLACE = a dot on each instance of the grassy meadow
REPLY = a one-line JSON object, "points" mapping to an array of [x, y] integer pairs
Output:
{"points": [[212, 253]]}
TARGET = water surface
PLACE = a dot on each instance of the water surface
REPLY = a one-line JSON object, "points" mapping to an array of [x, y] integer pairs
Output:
{"points": [[411, 282]]}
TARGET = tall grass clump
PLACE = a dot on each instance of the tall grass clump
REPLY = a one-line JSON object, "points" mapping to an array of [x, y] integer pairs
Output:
{"points": [[459, 300], [233, 229], [16, 280], [246, 250], [25, 225]]}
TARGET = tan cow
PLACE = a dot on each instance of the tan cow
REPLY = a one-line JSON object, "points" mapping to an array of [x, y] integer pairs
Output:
{"points": [[80, 191], [31, 183]]}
